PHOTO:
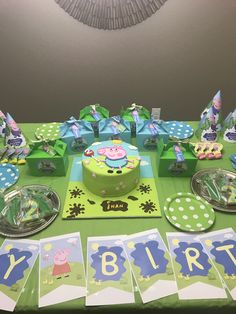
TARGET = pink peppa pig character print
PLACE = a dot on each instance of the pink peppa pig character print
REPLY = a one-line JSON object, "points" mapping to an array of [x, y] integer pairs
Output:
{"points": [[61, 266], [116, 158]]}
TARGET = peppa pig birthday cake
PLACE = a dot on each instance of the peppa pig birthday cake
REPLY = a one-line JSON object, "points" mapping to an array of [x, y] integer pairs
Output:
{"points": [[111, 168]]}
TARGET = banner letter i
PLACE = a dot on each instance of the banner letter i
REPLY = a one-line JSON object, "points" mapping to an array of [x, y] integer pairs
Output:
{"points": [[151, 259]]}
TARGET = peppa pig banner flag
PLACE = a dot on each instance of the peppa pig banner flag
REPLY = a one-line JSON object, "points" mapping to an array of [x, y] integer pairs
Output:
{"points": [[61, 269], [109, 279], [80, 203], [17, 258], [195, 275], [151, 265], [221, 247]]}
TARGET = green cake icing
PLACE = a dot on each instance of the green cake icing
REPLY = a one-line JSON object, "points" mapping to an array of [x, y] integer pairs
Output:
{"points": [[111, 168]]}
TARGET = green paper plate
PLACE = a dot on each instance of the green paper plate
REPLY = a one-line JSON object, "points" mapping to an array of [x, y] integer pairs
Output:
{"points": [[189, 212], [49, 131]]}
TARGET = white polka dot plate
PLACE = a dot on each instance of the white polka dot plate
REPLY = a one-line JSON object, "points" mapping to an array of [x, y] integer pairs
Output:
{"points": [[49, 131], [189, 212], [179, 130], [9, 174]]}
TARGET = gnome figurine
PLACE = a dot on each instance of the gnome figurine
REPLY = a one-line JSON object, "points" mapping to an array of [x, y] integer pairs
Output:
{"points": [[2, 124], [229, 127], [14, 136], [210, 123]]}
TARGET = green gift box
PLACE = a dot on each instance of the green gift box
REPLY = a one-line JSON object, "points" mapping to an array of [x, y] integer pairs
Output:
{"points": [[94, 114], [53, 162], [135, 114], [168, 164]]}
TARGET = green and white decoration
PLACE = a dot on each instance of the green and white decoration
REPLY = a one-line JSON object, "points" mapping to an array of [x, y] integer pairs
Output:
{"points": [[49, 131], [189, 212]]}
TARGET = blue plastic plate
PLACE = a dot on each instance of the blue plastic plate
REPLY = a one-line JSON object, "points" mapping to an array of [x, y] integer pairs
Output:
{"points": [[9, 175]]}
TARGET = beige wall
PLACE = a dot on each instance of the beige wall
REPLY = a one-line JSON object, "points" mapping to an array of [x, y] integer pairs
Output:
{"points": [[51, 65]]}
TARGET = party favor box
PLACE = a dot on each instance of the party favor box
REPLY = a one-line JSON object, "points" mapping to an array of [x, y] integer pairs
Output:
{"points": [[94, 114], [48, 159], [148, 133], [135, 114], [174, 159], [77, 134], [114, 128]]}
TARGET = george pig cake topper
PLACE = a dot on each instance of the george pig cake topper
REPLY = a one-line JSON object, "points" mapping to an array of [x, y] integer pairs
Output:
{"points": [[14, 136], [116, 158], [210, 123]]}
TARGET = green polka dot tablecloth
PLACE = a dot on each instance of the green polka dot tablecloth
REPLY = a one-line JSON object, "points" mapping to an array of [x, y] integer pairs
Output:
{"points": [[189, 212], [49, 131], [179, 130]]}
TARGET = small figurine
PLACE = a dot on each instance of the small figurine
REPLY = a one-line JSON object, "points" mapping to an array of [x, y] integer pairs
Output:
{"points": [[153, 129], [94, 113], [114, 126], [178, 153], [134, 108], [136, 116]]}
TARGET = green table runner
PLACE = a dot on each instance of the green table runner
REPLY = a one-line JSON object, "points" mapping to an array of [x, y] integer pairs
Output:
{"points": [[102, 227]]}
